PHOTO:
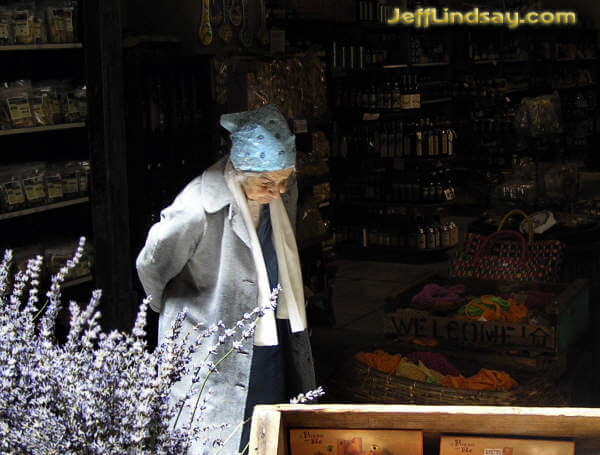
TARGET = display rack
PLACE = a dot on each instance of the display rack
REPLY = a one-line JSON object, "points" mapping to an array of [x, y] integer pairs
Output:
{"points": [[37, 226]]}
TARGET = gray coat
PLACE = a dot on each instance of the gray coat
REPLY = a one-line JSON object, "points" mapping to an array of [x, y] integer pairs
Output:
{"points": [[198, 256]]}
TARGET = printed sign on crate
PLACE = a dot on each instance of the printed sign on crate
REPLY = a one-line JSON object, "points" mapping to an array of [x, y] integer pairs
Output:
{"points": [[314, 441]]}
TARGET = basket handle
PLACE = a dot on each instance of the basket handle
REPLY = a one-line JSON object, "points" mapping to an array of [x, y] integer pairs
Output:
{"points": [[524, 215], [490, 240]]}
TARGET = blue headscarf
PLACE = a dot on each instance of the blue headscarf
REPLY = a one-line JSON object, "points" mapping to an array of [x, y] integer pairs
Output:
{"points": [[261, 140]]}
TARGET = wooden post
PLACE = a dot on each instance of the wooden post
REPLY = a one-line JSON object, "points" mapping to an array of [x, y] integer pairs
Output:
{"points": [[109, 193]]}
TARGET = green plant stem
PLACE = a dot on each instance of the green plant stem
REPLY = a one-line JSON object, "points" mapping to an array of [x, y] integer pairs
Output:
{"points": [[243, 422], [41, 310], [205, 381]]}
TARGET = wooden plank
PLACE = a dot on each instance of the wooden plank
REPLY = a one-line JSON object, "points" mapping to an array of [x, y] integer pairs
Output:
{"points": [[44, 208], [413, 323], [581, 425], [40, 47], [42, 129], [267, 434]]}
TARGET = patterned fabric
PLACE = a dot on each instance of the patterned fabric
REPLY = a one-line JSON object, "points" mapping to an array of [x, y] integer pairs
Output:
{"points": [[261, 140], [505, 259]]}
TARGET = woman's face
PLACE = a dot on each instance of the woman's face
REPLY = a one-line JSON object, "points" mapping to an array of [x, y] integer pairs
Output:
{"points": [[266, 186]]}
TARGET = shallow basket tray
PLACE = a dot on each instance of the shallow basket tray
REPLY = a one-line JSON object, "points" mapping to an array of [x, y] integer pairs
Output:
{"points": [[359, 383]]}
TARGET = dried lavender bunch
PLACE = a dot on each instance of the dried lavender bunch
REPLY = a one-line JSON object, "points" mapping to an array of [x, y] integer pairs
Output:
{"points": [[98, 392]]}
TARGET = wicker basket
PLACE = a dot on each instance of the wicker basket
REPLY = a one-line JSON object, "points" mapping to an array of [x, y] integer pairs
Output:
{"points": [[359, 383]]}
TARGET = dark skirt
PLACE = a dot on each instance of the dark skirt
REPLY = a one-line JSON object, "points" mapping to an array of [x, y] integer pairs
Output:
{"points": [[268, 384]]}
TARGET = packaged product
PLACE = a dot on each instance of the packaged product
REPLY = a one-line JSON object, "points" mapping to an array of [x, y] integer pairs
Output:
{"points": [[76, 105], [12, 195], [58, 253], [5, 122], [48, 90], [40, 30], [44, 104], [54, 186], [454, 445], [33, 175], [14, 99], [84, 173], [69, 172], [24, 14], [70, 15], [55, 21], [314, 441], [7, 26]]}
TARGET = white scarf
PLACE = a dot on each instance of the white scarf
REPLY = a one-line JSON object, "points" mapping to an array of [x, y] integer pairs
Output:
{"points": [[291, 298]]}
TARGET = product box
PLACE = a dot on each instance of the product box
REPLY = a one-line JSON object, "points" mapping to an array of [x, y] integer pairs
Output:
{"points": [[311, 441], [468, 445]]}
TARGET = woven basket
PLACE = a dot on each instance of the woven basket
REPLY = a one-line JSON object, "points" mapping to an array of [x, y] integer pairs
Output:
{"points": [[360, 383]]}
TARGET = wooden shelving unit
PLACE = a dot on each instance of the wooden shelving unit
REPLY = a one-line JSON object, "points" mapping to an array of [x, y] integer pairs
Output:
{"points": [[44, 208], [42, 129]]}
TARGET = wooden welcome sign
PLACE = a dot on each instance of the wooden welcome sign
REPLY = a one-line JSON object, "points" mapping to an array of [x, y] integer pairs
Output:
{"points": [[419, 324]]}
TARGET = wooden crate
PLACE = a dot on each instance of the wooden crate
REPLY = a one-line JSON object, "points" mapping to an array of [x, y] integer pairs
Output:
{"points": [[568, 319], [271, 424]]}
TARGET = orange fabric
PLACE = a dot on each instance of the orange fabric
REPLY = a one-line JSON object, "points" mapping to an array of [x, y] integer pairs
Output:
{"points": [[380, 360], [484, 380]]}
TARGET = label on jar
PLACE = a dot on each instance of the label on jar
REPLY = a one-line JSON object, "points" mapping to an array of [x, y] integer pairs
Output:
{"points": [[431, 239], [55, 189], [19, 108], [34, 190], [445, 237], [69, 184], [14, 193], [421, 240]]}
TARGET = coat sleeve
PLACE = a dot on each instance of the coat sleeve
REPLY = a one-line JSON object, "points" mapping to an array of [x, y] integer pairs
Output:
{"points": [[170, 244]]}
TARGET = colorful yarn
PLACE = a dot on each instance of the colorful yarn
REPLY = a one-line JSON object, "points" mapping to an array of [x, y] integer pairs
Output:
{"points": [[433, 293], [434, 361], [494, 308]]}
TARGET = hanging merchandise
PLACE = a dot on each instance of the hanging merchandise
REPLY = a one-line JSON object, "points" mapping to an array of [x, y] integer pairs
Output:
{"points": [[205, 32], [506, 255], [539, 117]]}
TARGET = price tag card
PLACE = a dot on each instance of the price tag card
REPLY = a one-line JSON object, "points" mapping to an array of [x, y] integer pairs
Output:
{"points": [[300, 126], [370, 116]]}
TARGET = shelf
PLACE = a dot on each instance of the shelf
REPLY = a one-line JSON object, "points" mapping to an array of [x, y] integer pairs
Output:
{"points": [[395, 66], [424, 65], [77, 281], [389, 253], [390, 204], [44, 208], [42, 129], [40, 47], [438, 100]]}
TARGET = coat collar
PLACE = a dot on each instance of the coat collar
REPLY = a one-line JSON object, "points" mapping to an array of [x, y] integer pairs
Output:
{"points": [[216, 196], [215, 192]]}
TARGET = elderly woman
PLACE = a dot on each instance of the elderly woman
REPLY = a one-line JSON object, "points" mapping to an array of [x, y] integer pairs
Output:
{"points": [[220, 248]]}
